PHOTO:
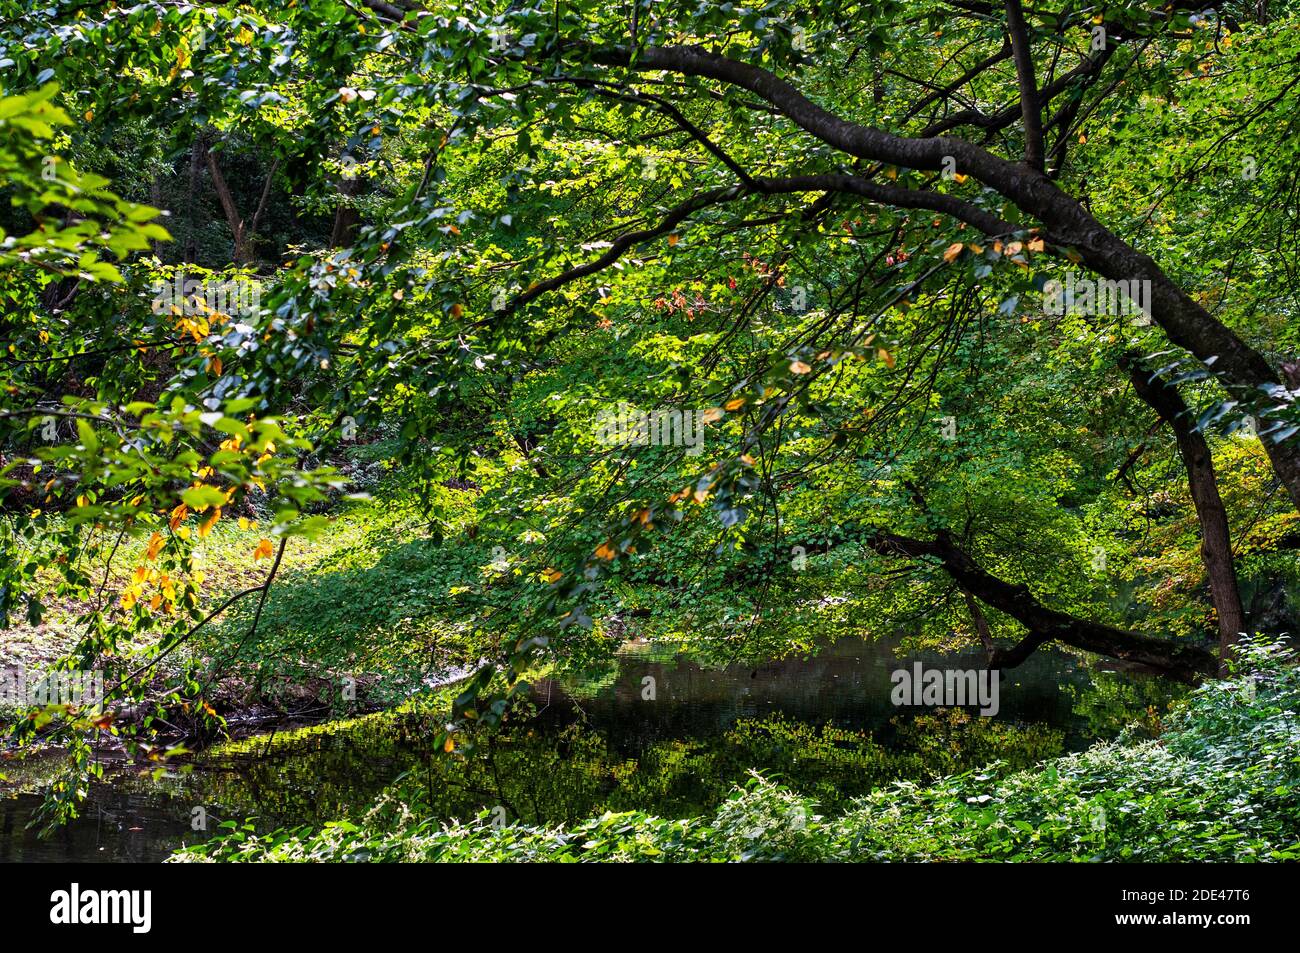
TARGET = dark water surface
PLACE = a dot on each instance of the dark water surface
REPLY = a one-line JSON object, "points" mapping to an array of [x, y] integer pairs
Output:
{"points": [[825, 724]]}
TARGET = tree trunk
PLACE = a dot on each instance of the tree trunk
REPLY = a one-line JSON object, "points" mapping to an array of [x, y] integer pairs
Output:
{"points": [[347, 218], [1216, 541], [198, 150], [242, 251], [1182, 661]]}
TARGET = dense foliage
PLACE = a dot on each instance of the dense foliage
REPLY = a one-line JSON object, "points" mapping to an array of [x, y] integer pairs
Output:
{"points": [[433, 257]]}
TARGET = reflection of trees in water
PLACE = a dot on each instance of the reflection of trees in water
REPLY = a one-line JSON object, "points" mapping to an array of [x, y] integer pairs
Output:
{"points": [[560, 777], [1114, 701]]}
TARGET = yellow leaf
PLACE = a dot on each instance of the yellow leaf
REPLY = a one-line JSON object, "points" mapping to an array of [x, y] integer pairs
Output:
{"points": [[154, 548], [735, 403], [206, 526], [886, 357], [674, 239], [952, 251], [799, 367], [552, 575], [264, 550], [605, 551]]}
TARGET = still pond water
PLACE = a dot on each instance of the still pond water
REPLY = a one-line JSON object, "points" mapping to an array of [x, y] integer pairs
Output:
{"points": [[824, 724]]}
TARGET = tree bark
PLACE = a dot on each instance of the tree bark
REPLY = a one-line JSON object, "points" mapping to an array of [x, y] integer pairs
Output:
{"points": [[198, 152], [1031, 112], [242, 252], [346, 218], [1182, 661], [1216, 541]]}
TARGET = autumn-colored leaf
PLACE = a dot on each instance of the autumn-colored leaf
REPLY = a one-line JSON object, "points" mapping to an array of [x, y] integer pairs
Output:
{"points": [[952, 251], [206, 526], [264, 550]]}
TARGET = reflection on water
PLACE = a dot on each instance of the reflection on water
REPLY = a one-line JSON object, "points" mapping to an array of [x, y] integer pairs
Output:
{"points": [[824, 724], [846, 685]]}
